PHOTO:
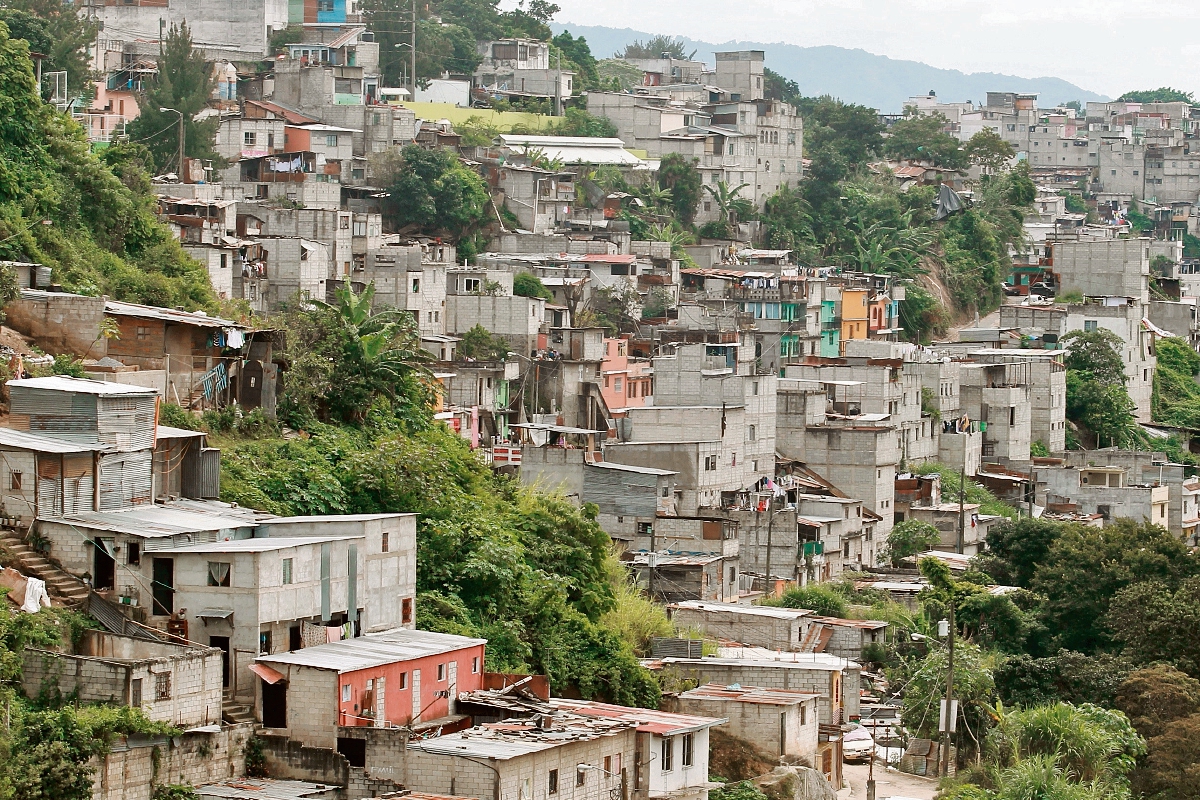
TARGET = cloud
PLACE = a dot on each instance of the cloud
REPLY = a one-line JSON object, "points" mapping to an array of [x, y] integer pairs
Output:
{"points": [[1107, 48]]}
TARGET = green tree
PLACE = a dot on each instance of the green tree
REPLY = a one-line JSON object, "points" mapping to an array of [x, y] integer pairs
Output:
{"points": [[923, 138], [853, 131], [183, 82], [432, 191], [822, 598], [1154, 697], [787, 220], [655, 46], [1069, 677], [343, 358], [1086, 568], [988, 151], [730, 206], [1098, 353], [679, 175], [1164, 94], [1015, 548], [908, 538], [582, 62], [63, 37], [526, 284], [921, 315], [479, 344], [1156, 624], [925, 687], [577, 122], [777, 87]]}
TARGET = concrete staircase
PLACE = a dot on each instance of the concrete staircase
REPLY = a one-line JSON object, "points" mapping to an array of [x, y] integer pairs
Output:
{"points": [[235, 713], [63, 588]]}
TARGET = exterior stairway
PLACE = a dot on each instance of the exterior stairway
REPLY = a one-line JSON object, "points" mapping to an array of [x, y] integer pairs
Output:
{"points": [[63, 588], [235, 713]]}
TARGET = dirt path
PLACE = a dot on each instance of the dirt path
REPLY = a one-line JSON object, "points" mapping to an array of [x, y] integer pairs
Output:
{"points": [[888, 783]]}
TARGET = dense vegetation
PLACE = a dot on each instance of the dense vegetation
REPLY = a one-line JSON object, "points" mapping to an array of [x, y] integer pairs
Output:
{"points": [[92, 220]]}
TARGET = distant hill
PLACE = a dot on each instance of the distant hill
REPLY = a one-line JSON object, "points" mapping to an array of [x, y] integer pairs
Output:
{"points": [[856, 76]]}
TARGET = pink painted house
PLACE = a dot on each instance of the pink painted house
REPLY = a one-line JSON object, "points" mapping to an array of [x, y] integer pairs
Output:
{"points": [[627, 382]]}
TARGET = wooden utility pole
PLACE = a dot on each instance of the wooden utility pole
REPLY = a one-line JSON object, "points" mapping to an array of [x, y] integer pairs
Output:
{"points": [[949, 718]]}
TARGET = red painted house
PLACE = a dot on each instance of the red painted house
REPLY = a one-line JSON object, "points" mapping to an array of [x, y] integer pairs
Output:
{"points": [[386, 680]]}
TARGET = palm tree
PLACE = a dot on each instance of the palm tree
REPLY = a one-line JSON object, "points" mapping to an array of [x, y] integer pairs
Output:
{"points": [[385, 345], [729, 204]]}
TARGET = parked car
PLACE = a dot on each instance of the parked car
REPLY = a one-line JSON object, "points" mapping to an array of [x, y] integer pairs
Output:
{"points": [[857, 745]]}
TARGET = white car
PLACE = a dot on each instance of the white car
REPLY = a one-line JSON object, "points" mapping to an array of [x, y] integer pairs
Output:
{"points": [[857, 745]]}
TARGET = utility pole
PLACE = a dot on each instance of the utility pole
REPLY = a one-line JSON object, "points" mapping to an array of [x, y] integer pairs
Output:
{"points": [[962, 491], [950, 717], [650, 562], [181, 132], [412, 46], [558, 86], [770, 523]]}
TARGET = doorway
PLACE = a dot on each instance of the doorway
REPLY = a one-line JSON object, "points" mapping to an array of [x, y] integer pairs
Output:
{"points": [[163, 572], [104, 566], [274, 704], [222, 643]]}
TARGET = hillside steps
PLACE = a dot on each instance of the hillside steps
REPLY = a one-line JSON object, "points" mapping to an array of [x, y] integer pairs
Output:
{"points": [[236, 713], [67, 590]]}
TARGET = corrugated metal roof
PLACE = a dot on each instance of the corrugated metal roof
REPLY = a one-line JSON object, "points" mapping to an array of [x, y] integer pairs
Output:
{"points": [[373, 650], [154, 521], [266, 789], [775, 612], [63, 383], [751, 694], [512, 739], [258, 545], [44, 444], [575, 149], [647, 720], [197, 318], [629, 468], [865, 624], [167, 432]]}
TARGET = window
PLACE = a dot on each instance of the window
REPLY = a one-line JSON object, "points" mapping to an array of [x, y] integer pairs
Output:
{"points": [[135, 693], [579, 777], [331, 140], [406, 610], [345, 693], [416, 285], [803, 715], [710, 463], [162, 686], [248, 138], [688, 748], [751, 433], [552, 782], [133, 553], [441, 672], [14, 480], [668, 754], [384, 544], [264, 642], [287, 571], [475, 665], [143, 333], [224, 260], [403, 680], [218, 573], [1089, 325]]}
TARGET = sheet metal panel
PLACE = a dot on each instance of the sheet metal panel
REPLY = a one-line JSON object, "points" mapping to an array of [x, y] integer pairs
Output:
{"points": [[621, 493], [125, 479]]}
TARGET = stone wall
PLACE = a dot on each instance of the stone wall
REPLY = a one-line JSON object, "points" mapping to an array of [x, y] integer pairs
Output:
{"points": [[135, 764]]}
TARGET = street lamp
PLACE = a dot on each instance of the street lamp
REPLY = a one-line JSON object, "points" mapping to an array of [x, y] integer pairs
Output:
{"points": [[164, 110]]}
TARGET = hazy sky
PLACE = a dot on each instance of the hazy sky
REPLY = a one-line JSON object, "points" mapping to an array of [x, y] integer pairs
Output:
{"points": [[1107, 47]]}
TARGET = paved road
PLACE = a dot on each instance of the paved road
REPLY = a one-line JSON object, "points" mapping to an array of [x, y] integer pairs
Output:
{"points": [[888, 783]]}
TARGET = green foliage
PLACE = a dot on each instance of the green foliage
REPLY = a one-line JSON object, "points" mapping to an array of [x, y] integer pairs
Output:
{"points": [[479, 344], [577, 122], [1069, 677], [921, 315], [655, 46], [256, 759], [57, 32], [853, 132], [988, 619], [1098, 353], [1158, 625], [1015, 548], [1176, 397], [909, 538], [973, 493], [1163, 94], [526, 284], [184, 82], [821, 598], [1096, 395], [433, 192], [103, 236], [634, 617], [1154, 697], [923, 138], [66, 364], [612, 308], [1085, 568], [1075, 203], [174, 416], [777, 87], [577, 56], [988, 151], [744, 790], [925, 680], [344, 358], [174, 791], [680, 176], [1088, 743]]}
